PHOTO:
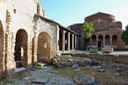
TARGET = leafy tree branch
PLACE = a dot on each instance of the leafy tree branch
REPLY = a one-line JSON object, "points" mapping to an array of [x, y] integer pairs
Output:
{"points": [[87, 29]]}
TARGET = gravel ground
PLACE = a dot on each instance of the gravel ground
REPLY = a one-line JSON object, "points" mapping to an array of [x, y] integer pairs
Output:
{"points": [[44, 74], [63, 76]]}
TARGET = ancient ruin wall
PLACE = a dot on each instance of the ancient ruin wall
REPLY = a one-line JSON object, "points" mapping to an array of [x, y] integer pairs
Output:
{"points": [[51, 30], [16, 15]]}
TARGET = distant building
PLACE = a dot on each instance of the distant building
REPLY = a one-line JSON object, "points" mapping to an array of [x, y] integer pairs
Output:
{"points": [[107, 31]]}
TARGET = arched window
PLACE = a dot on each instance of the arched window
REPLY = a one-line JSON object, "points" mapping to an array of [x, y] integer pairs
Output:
{"points": [[100, 41], [107, 40], [94, 40], [38, 9]]}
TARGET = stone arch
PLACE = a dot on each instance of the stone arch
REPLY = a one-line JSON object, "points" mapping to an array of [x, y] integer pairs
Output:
{"points": [[44, 47], [21, 48], [100, 41], [114, 40], [1, 47], [94, 40], [107, 40]]}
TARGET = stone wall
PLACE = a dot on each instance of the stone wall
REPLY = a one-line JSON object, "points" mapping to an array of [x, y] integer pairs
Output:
{"points": [[51, 29], [18, 21]]}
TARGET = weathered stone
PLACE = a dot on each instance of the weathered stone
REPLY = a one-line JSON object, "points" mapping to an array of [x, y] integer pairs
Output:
{"points": [[99, 67], [56, 61], [76, 67], [118, 72], [107, 49], [20, 70], [95, 62], [40, 65], [100, 70], [85, 62], [70, 61], [27, 78], [84, 79], [93, 50]]}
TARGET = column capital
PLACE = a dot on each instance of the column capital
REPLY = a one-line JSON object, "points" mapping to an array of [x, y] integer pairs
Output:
{"points": [[63, 31], [69, 33], [72, 34]]}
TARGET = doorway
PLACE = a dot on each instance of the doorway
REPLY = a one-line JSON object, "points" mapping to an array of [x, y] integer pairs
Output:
{"points": [[21, 48], [99, 45]]}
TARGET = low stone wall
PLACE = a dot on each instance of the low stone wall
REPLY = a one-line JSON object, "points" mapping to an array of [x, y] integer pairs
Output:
{"points": [[118, 59]]}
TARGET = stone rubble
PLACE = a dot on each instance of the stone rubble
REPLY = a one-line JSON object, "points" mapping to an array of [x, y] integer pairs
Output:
{"points": [[70, 61]]}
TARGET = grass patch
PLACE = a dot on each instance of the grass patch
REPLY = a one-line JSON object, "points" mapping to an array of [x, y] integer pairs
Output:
{"points": [[68, 71], [102, 77], [7, 82]]}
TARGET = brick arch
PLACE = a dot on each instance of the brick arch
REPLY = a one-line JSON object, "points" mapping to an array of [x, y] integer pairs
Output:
{"points": [[1, 47], [21, 48], [100, 41], [114, 40], [107, 40], [44, 47], [94, 40]]}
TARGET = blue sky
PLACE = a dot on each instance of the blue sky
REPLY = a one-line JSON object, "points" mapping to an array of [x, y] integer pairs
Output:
{"points": [[68, 12]]}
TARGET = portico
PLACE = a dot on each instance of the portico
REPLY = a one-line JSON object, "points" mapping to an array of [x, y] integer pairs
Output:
{"points": [[67, 40], [100, 41]]}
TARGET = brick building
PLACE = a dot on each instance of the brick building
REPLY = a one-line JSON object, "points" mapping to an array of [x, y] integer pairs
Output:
{"points": [[107, 31]]}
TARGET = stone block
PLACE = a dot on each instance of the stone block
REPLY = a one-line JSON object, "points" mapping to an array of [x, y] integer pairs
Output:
{"points": [[93, 50], [40, 65], [107, 49]]}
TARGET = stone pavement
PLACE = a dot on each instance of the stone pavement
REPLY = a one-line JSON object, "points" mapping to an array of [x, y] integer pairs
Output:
{"points": [[116, 53]]}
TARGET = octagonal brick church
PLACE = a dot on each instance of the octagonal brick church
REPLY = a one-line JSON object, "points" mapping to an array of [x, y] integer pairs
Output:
{"points": [[107, 32]]}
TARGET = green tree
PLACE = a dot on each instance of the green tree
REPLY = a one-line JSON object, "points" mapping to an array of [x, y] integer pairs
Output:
{"points": [[124, 35], [87, 29]]}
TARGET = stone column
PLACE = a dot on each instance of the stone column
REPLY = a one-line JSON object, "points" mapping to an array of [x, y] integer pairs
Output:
{"points": [[111, 40], [68, 41], [103, 41], [75, 41], [97, 40], [78, 42], [72, 41], [63, 41]]}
